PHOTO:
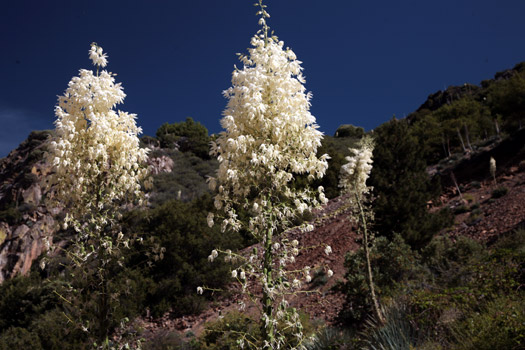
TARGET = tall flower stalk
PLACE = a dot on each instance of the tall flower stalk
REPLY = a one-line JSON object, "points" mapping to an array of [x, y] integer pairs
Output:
{"points": [[270, 137], [492, 168], [98, 167], [353, 184]]}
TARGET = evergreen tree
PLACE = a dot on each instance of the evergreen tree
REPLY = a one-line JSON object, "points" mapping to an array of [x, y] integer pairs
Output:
{"points": [[401, 186], [188, 136]]}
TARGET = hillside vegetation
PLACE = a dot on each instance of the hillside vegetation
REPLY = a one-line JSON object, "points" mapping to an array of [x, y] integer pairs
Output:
{"points": [[442, 283]]}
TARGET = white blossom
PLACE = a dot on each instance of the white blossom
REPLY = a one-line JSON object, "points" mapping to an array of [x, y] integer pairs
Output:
{"points": [[328, 250], [200, 290], [210, 219], [97, 56], [329, 273], [357, 169], [492, 168], [95, 149], [270, 135], [213, 255]]}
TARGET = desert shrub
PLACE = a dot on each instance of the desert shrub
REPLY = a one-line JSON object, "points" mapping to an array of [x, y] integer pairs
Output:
{"points": [[188, 176], [134, 285], [521, 165], [225, 333], [56, 332], [442, 254], [337, 149], [396, 334], [330, 338], [149, 141], [22, 298], [468, 197], [11, 215], [475, 184], [499, 192], [320, 278], [181, 229], [467, 281], [461, 209], [498, 325], [392, 262], [19, 338], [474, 217], [167, 341], [36, 138]]}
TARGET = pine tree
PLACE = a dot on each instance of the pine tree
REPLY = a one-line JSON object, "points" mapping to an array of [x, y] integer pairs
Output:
{"points": [[402, 187]]}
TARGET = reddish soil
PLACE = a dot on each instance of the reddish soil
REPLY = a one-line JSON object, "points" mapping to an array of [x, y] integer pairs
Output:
{"points": [[495, 216], [332, 227]]}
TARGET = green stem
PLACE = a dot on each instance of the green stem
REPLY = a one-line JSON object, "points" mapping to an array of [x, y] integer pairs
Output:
{"points": [[267, 300], [377, 309], [103, 298]]}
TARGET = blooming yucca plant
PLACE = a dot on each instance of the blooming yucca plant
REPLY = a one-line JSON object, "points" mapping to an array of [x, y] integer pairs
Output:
{"points": [[270, 137], [98, 167], [352, 182]]}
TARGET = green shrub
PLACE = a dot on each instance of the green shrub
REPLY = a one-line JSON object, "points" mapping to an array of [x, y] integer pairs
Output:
{"points": [[225, 333], [19, 338], [396, 334], [349, 130], [329, 338], [188, 136], [11, 215], [166, 340], [461, 209], [475, 184], [468, 197], [23, 298], [499, 192], [57, 333], [498, 325], [181, 229], [442, 255], [188, 176], [392, 262], [402, 187]]}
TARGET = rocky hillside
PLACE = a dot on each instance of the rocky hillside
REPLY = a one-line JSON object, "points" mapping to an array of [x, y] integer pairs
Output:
{"points": [[27, 226], [484, 211]]}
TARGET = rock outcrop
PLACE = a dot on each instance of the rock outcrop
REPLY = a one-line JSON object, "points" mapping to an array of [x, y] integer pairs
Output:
{"points": [[26, 226]]}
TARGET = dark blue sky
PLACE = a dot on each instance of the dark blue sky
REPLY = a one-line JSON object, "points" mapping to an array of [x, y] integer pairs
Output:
{"points": [[364, 60]]}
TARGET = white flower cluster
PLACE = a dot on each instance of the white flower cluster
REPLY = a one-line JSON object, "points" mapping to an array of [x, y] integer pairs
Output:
{"points": [[95, 151], [492, 167], [354, 174], [270, 136], [97, 56]]}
